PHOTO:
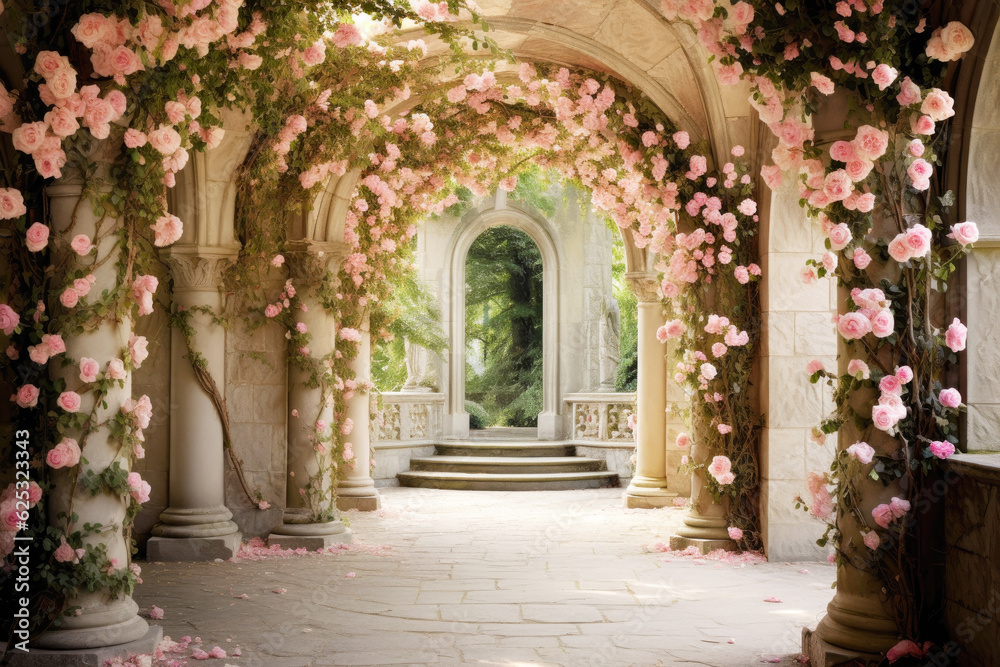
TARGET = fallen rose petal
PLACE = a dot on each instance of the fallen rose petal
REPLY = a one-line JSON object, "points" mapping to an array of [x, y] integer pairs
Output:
{"points": [[279, 591], [350, 575], [155, 612], [772, 599]]}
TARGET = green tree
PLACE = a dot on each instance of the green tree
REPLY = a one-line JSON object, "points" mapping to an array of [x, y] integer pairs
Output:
{"points": [[504, 326]]}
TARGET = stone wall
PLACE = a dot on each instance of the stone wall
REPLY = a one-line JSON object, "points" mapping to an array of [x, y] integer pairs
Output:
{"points": [[153, 379], [258, 411], [972, 571], [796, 328]]}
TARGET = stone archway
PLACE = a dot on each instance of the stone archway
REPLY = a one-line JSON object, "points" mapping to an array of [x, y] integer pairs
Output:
{"points": [[501, 213]]}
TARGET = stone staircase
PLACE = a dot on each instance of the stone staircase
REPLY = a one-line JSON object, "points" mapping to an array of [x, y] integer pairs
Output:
{"points": [[507, 460]]}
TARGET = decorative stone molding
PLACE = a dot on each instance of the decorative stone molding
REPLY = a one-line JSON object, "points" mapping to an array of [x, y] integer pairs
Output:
{"points": [[602, 418], [408, 417], [310, 261], [644, 285], [198, 268]]}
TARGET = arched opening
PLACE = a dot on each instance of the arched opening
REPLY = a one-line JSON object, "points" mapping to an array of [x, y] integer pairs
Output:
{"points": [[503, 330]]}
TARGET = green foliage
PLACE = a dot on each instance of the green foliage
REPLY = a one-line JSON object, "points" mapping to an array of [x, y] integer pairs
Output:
{"points": [[478, 417], [504, 313], [628, 307]]}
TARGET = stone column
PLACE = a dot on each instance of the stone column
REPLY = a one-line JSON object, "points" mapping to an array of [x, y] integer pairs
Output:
{"points": [[196, 525], [301, 524], [103, 620], [357, 489], [648, 489], [705, 524]]}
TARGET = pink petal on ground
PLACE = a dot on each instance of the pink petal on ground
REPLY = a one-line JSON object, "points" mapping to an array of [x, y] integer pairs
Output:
{"points": [[350, 575], [155, 612], [279, 591], [772, 599]]}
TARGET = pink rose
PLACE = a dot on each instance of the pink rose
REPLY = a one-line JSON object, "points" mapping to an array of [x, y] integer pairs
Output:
{"points": [[116, 369], [37, 237], [871, 540], [854, 326], [139, 488], [916, 148], [814, 366], [941, 449], [955, 336], [81, 244], [69, 401], [893, 403], [866, 202], [64, 553], [842, 151], [965, 233], [726, 478], [840, 236], [899, 507], [858, 369], [862, 451], [135, 138], [69, 298], [858, 170], [870, 142], [950, 398], [899, 249], [271, 311], [837, 185], [938, 105], [956, 39], [11, 204], [920, 124], [861, 259], [29, 137], [137, 349], [66, 454], [167, 230], [890, 384], [882, 515], [883, 323], [884, 417], [683, 440], [822, 83], [883, 75], [720, 465], [9, 319], [165, 139], [909, 93], [62, 122], [734, 533], [682, 139], [27, 396], [89, 368]]}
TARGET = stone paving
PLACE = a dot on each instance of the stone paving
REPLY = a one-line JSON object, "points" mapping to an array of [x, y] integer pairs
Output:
{"points": [[495, 578]]}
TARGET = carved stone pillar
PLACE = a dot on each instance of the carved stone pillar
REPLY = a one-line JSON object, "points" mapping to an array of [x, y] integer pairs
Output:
{"points": [[309, 523], [648, 489], [357, 488], [102, 620], [196, 525]]}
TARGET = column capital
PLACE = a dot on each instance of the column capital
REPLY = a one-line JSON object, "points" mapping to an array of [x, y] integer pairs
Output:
{"points": [[644, 285], [198, 268], [310, 261]]}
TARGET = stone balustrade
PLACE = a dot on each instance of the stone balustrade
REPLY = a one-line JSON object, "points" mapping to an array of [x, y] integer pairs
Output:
{"points": [[408, 424], [602, 418]]}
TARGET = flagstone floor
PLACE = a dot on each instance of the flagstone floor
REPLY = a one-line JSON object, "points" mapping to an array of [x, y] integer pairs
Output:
{"points": [[495, 578]]}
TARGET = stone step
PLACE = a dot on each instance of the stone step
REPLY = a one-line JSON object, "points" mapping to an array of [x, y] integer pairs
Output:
{"points": [[508, 464], [499, 448], [480, 481]]}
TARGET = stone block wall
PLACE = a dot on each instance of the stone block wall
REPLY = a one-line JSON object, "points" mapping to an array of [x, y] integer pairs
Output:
{"points": [[257, 397], [972, 570], [796, 328]]}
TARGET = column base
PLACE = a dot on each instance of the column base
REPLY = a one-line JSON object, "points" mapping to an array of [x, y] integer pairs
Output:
{"points": [[456, 425], [648, 502], [173, 549], [195, 522], [824, 654], [311, 536], [100, 624], [87, 657], [367, 503], [679, 543]]}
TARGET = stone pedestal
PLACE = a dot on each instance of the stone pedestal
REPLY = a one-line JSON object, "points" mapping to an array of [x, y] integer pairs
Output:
{"points": [[648, 489], [103, 620], [197, 525], [87, 657], [309, 263], [357, 488], [705, 525]]}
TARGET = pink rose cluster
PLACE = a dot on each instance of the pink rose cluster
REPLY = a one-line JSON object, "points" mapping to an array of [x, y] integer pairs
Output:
{"points": [[821, 505], [14, 506], [80, 288], [50, 346], [949, 42], [890, 408], [66, 454], [886, 513], [721, 469], [874, 316], [143, 288], [10, 321], [138, 487], [11, 204]]}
